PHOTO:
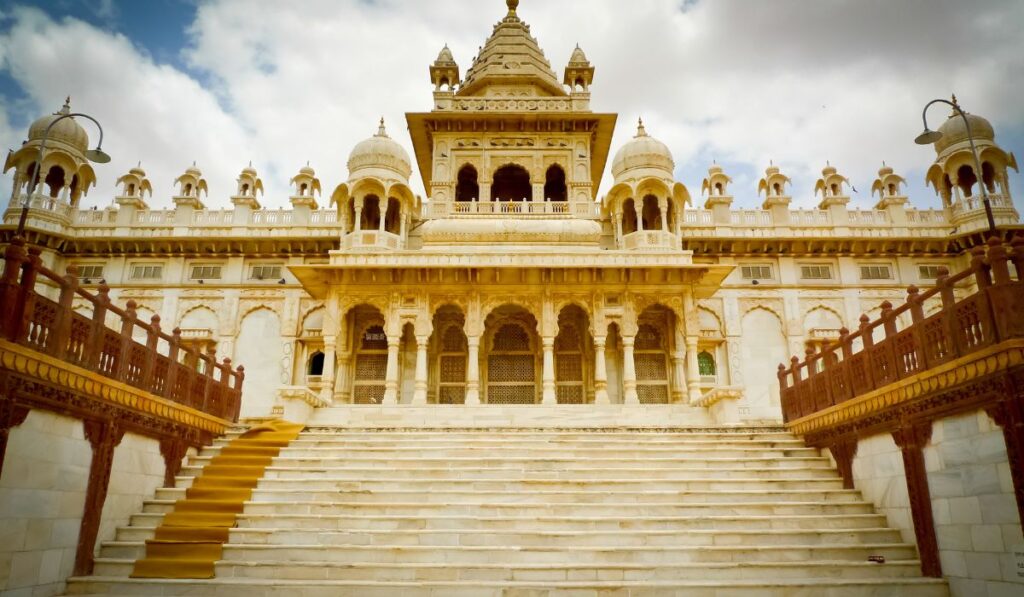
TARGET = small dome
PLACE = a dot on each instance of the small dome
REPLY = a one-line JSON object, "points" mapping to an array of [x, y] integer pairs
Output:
{"points": [[445, 56], [380, 151], [249, 170], [578, 56], [193, 170], [828, 170], [66, 131], [643, 151], [138, 171], [307, 170], [884, 171], [954, 131]]}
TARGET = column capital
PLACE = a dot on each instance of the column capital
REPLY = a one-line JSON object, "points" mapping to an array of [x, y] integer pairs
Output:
{"points": [[548, 341], [421, 341]]}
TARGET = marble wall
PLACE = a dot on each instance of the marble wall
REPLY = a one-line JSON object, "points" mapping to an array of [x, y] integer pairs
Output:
{"points": [[976, 520], [42, 495]]}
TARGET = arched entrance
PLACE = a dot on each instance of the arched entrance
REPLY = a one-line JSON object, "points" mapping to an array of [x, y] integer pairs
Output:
{"points": [[651, 355], [571, 356], [512, 364]]}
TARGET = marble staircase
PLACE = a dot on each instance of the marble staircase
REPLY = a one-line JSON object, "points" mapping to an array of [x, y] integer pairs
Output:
{"points": [[594, 510]]}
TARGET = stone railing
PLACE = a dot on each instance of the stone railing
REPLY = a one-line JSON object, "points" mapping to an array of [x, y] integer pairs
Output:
{"points": [[161, 366], [649, 239], [885, 355], [545, 209], [371, 239]]}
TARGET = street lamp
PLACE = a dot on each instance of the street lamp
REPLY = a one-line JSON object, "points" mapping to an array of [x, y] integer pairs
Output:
{"points": [[929, 136], [93, 155]]}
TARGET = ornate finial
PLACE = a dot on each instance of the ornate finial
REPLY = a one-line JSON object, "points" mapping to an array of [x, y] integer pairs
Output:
{"points": [[140, 164], [512, 6], [250, 163], [955, 103], [380, 130], [66, 108], [307, 163], [828, 164], [640, 130], [883, 163], [193, 163], [771, 163]]}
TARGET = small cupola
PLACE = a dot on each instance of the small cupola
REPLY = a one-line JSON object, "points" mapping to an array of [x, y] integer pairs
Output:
{"points": [[305, 187], [191, 185], [831, 186], [249, 186], [444, 72], [773, 185], [889, 188], [134, 186], [579, 73]]}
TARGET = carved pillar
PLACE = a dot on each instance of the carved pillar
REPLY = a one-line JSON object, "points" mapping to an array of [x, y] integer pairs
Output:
{"points": [[629, 372], [173, 450], [600, 372], [1009, 414], [391, 372], [911, 439], [692, 369], [617, 217], [663, 208], [548, 376], [679, 385], [103, 436], [419, 395], [11, 415], [473, 371], [330, 364], [843, 451]]}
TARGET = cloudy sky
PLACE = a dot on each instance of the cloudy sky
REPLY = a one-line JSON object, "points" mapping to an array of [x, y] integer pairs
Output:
{"points": [[223, 82]]}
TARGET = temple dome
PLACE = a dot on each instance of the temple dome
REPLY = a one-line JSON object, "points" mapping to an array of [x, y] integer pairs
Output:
{"points": [[954, 131], [380, 151], [66, 131], [643, 152]]}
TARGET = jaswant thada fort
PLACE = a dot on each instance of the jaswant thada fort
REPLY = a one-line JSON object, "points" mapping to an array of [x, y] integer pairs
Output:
{"points": [[520, 381]]}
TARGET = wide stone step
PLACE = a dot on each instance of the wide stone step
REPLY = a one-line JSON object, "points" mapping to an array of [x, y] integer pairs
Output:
{"points": [[584, 434], [238, 587], [516, 554], [538, 495], [142, 522], [319, 485], [634, 451], [554, 539], [433, 572], [548, 462], [492, 473], [503, 507], [343, 440]]}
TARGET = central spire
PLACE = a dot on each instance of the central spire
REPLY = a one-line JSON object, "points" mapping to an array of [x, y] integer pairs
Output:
{"points": [[512, 6]]}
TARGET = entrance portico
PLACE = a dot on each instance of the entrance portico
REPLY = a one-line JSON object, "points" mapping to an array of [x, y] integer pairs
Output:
{"points": [[423, 328]]}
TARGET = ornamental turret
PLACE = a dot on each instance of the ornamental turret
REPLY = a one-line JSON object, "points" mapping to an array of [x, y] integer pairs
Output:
{"points": [[955, 178], [191, 185], [134, 186], [579, 73], [305, 187], [889, 188], [832, 187], [444, 72], [249, 185]]}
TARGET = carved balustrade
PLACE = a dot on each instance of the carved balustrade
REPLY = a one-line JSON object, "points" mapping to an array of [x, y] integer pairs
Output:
{"points": [[157, 362], [878, 354]]}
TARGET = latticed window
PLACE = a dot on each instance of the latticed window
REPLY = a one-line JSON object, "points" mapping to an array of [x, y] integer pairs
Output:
{"points": [[452, 367], [147, 272], [875, 272], [511, 367], [371, 364], [205, 272], [651, 362], [706, 364], [569, 366], [90, 270], [756, 272]]}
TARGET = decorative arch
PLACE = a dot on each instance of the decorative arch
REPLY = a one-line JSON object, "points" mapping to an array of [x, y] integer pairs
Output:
{"points": [[467, 187], [554, 184], [511, 182]]}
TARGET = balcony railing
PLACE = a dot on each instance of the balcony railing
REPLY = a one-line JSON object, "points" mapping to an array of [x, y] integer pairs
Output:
{"points": [[839, 372], [160, 366]]}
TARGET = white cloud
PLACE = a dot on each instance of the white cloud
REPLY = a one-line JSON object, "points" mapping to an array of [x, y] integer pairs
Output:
{"points": [[740, 82]]}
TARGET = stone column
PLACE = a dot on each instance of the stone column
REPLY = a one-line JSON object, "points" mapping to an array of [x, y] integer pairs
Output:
{"points": [[473, 371], [600, 372], [391, 372], [330, 364], [618, 229], [663, 208], [419, 395], [629, 372], [679, 385], [692, 369], [549, 397], [357, 225]]}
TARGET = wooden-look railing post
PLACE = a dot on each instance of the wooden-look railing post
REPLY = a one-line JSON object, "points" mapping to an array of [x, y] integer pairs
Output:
{"points": [[26, 294], [1005, 297], [127, 327], [98, 328], [982, 274], [152, 338], [10, 287], [58, 342], [173, 348], [236, 406], [916, 317], [868, 342], [225, 382], [210, 369], [1017, 255]]}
